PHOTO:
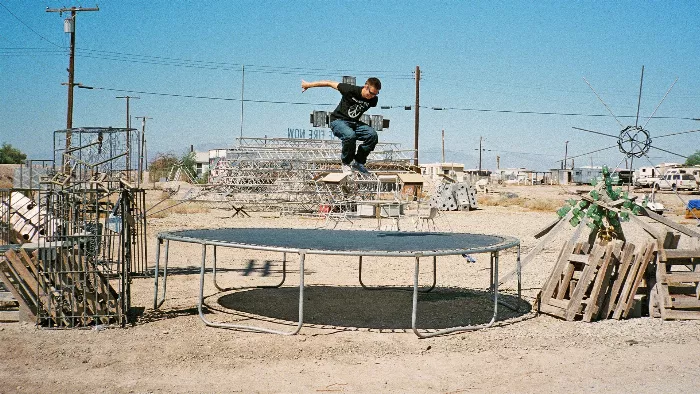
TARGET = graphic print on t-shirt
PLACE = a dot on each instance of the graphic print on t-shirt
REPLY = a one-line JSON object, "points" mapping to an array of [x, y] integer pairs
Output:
{"points": [[355, 111]]}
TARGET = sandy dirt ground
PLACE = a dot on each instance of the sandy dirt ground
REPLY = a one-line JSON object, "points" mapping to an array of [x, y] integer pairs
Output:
{"points": [[356, 340]]}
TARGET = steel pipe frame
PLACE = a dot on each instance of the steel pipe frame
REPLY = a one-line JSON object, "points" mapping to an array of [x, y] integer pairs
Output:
{"points": [[509, 242], [158, 302]]}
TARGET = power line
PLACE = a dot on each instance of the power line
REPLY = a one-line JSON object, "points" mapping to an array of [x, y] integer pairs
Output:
{"points": [[29, 27], [510, 111]]}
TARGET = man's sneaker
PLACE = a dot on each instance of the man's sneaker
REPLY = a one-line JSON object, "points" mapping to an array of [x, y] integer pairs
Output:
{"points": [[359, 167], [346, 168]]}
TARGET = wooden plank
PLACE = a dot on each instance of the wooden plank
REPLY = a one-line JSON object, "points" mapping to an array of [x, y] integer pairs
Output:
{"points": [[27, 306], [629, 283], [682, 254], [681, 302], [548, 228], [537, 249], [552, 310], [16, 263], [578, 258], [6, 298], [646, 259], [676, 314], [678, 227], [550, 285], [566, 281], [622, 272], [30, 262], [9, 316], [680, 277], [587, 277], [601, 283], [655, 233], [563, 304]]}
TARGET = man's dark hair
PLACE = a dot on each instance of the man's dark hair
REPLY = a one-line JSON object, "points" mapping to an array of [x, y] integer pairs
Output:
{"points": [[375, 83]]}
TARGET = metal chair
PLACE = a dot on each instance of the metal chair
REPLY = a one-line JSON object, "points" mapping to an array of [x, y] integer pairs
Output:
{"points": [[427, 219]]}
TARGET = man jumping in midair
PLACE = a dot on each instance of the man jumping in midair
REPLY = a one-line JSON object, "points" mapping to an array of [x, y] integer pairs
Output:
{"points": [[346, 124]]}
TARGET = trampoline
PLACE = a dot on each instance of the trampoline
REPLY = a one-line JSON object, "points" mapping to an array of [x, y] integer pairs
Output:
{"points": [[358, 243]]}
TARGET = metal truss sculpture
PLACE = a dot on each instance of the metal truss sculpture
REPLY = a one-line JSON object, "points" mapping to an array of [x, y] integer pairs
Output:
{"points": [[286, 174]]}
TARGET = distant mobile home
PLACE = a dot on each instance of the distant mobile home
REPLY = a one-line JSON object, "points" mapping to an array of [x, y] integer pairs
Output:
{"points": [[584, 175]]}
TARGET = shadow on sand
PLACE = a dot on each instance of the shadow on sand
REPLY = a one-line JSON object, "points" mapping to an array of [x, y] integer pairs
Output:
{"points": [[373, 309]]}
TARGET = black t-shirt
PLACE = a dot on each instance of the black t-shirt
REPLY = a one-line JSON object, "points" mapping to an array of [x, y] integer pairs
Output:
{"points": [[352, 105]]}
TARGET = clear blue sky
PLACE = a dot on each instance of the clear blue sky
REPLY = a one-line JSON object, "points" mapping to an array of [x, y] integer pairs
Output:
{"points": [[492, 56]]}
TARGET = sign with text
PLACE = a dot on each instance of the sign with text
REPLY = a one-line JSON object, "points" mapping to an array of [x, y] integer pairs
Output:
{"points": [[312, 134]]}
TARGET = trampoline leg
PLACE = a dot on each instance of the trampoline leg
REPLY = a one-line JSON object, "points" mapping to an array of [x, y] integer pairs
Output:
{"points": [[158, 302], [300, 323], [214, 274], [518, 270], [155, 275], [414, 318], [428, 290]]}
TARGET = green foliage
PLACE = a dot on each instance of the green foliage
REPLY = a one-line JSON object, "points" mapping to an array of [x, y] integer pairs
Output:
{"points": [[189, 164], [10, 155], [694, 159], [160, 166], [601, 218]]}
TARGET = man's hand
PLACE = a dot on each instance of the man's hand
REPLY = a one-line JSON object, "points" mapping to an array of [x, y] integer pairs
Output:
{"points": [[304, 85]]}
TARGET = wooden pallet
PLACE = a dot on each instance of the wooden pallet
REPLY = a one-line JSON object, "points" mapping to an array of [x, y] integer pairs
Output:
{"points": [[595, 285], [677, 290], [61, 292], [563, 293], [9, 307]]}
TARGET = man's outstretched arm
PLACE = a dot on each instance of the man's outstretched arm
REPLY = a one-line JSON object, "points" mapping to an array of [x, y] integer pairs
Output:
{"points": [[318, 84]]}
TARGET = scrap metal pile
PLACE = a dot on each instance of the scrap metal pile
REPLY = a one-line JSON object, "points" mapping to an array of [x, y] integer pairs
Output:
{"points": [[284, 174], [70, 246]]}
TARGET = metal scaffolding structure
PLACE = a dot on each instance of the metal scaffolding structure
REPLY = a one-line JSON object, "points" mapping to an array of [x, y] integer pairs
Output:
{"points": [[286, 174]]}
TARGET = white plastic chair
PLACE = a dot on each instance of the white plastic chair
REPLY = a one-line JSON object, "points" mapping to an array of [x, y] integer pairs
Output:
{"points": [[427, 219]]}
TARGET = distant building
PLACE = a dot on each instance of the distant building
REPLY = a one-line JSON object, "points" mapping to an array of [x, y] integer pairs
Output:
{"points": [[519, 176], [454, 172], [201, 160], [586, 174]]}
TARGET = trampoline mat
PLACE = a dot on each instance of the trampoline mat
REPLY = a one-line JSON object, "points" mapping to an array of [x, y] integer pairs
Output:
{"points": [[346, 240]]}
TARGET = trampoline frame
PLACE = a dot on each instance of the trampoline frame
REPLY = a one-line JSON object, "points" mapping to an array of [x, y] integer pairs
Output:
{"points": [[166, 237]]}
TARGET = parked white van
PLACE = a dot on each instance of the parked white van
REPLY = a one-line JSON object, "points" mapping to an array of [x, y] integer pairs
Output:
{"points": [[676, 181]]}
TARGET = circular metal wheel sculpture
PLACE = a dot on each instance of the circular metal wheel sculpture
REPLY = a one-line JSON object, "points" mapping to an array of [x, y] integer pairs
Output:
{"points": [[634, 141], [305, 242]]}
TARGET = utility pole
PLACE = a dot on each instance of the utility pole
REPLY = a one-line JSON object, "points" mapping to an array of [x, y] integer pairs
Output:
{"points": [[242, 88], [566, 153], [415, 144], [142, 149], [128, 134], [443, 145], [480, 139], [69, 27]]}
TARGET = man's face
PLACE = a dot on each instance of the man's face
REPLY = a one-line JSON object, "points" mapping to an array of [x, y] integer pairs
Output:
{"points": [[369, 92]]}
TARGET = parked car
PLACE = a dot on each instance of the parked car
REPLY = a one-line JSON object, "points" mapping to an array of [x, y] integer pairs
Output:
{"points": [[646, 181], [676, 182]]}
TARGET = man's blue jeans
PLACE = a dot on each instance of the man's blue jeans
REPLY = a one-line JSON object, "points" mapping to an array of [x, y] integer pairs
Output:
{"points": [[349, 133]]}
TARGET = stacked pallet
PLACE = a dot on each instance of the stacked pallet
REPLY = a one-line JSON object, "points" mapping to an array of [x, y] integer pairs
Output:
{"points": [[454, 196], [60, 291], [595, 283], [676, 294], [9, 308]]}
